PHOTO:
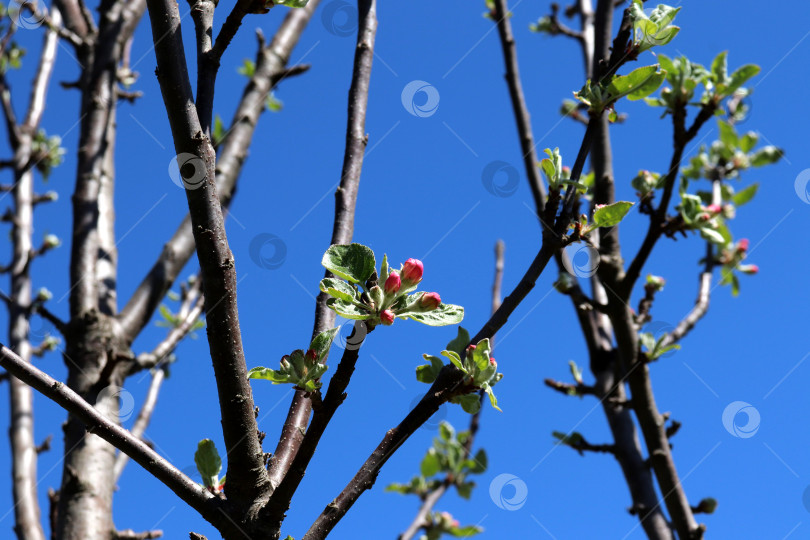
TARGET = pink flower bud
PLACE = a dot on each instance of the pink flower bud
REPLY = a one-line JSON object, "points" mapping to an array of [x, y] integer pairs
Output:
{"points": [[412, 271], [742, 245], [714, 208], [387, 317], [753, 268], [493, 362], [312, 355], [704, 217], [393, 283], [471, 348], [430, 301]]}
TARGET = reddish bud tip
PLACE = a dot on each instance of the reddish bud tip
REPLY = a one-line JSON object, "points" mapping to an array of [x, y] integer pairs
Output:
{"points": [[412, 271], [312, 355], [742, 245], [753, 269], [393, 283], [430, 301], [714, 208], [387, 317], [493, 362]]}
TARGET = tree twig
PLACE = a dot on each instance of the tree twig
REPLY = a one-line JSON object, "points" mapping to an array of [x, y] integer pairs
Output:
{"points": [[271, 61], [521, 111], [248, 479], [433, 497], [342, 229], [189, 491]]}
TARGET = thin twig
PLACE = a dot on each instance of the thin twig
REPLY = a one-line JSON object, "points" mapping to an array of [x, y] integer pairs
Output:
{"points": [[143, 419], [433, 497], [246, 474], [189, 491], [298, 414], [527, 144]]}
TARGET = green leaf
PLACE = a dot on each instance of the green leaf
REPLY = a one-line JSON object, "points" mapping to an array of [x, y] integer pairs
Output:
{"points": [[492, 399], [634, 82], [338, 288], [479, 463], [740, 77], [291, 3], [276, 377], [728, 135], [441, 316], [471, 403], [745, 195], [427, 373], [347, 310], [712, 236], [455, 359], [610, 215], [719, 69], [465, 490], [353, 262], [748, 141], [248, 68], [446, 431], [323, 342], [273, 103], [766, 156], [208, 462], [219, 131], [431, 464], [460, 342], [466, 531], [651, 85]]}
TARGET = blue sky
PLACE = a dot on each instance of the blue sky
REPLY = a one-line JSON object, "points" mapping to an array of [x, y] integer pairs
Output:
{"points": [[422, 196]]}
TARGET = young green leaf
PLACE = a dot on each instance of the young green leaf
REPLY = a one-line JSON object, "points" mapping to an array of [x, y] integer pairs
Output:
{"points": [[353, 262], [347, 310], [443, 315], [208, 462], [427, 373], [745, 195], [610, 215], [276, 377], [323, 342], [431, 464], [471, 403], [460, 342]]}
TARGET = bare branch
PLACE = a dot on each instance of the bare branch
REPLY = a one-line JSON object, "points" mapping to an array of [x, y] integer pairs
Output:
{"points": [[342, 229], [143, 419], [189, 491], [246, 473], [681, 138], [271, 62], [433, 497], [527, 144], [705, 285]]}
